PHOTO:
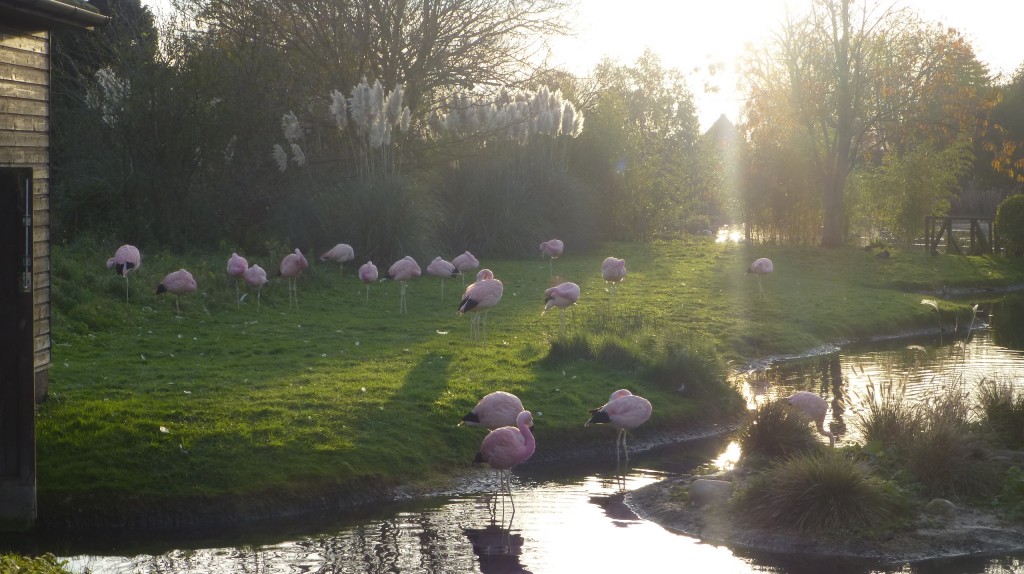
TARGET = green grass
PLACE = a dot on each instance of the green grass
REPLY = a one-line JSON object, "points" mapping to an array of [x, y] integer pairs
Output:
{"points": [[225, 402]]}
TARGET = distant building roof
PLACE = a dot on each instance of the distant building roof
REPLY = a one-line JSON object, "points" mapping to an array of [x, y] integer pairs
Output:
{"points": [[44, 14]]}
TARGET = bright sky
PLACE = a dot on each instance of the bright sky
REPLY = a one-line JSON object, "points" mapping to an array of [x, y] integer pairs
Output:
{"points": [[688, 36]]}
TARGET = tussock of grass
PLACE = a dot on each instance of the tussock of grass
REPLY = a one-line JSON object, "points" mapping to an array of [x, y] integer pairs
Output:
{"points": [[775, 431], [1002, 408], [821, 492]]}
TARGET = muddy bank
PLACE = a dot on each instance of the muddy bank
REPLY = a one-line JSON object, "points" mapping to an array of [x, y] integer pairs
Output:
{"points": [[969, 532]]}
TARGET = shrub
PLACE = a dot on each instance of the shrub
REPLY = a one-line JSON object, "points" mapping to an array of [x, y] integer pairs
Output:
{"points": [[776, 430], [1002, 411], [949, 459], [821, 492], [1010, 224]]}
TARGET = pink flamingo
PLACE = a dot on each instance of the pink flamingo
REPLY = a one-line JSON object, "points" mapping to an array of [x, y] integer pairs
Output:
{"points": [[613, 271], [403, 270], [761, 267], [291, 267], [504, 448], [443, 269], [256, 277], [368, 274], [815, 408], [562, 296], [179, 283], [624, 411], [465, 262], [497, 409], [552, 249], [237, 266], [127, 258], [479, 298], [340, 253]]}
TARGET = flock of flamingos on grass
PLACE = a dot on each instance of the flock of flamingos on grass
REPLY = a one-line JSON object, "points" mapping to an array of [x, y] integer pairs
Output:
{"points": [[510, 441]]}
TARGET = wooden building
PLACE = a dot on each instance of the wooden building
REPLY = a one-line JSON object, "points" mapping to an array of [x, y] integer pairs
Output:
{"points": [[25, 27]]}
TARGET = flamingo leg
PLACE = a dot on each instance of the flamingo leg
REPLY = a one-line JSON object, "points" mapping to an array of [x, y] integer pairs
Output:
{"points": [[483, 322], [238, 302], [442, 289], [176, 307], [401, 303], [126, 288], [258, 291], [367, 293], [562, 328]]}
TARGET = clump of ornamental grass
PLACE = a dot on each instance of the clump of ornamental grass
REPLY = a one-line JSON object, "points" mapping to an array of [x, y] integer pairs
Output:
{"points": [[889, 419], [774, 431], [821, 492], [949, 456], [1001, 408], [932, 443]]}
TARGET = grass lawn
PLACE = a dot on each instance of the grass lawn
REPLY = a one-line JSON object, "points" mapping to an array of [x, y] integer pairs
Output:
{"points": [[149, 409]]}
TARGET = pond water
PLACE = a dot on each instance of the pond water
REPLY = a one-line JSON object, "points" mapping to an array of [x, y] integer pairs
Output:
{"points": [[574, 519]]}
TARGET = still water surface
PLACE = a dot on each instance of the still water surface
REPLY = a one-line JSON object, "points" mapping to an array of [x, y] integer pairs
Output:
{"points": [[575, 519]]}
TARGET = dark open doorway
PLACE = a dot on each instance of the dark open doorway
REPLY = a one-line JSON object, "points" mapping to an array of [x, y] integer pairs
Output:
{"points": [[17, 385]]}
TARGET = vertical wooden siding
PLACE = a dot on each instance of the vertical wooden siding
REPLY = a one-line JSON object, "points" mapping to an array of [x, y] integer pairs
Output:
{"points": [[24, 142]]}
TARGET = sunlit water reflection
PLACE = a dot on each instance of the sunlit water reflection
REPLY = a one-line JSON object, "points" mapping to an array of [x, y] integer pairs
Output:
{"points": [[575, 519]]}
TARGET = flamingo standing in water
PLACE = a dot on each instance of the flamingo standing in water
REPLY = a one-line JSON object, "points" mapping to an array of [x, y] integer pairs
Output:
{"points": [[340, 253], [368, 274], [814, 408], [504, 448], [624, 411], [478, 299], [291, 267], [237, 266], [443, 269], [256, 277], [562, 296], [403, 270], [127, 258], [551, 249], [613, 271], [179, 283], [497, 409], [465, 262], [761, 267]]}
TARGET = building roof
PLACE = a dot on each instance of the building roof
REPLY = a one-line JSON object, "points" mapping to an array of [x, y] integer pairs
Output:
{"points": [[45, 14]]}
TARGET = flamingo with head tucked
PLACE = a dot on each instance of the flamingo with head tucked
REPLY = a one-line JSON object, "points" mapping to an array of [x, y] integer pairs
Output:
{"points": [[340, 254], [551, 249], [403, 270], [237, 266], [465, 262], [479, 298], [291, 267], [497, 409], [256, 277], [624, 411], [126, 259], [178, 283], [368, 274], [613, 271], [761, 267], [443, 269]]}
